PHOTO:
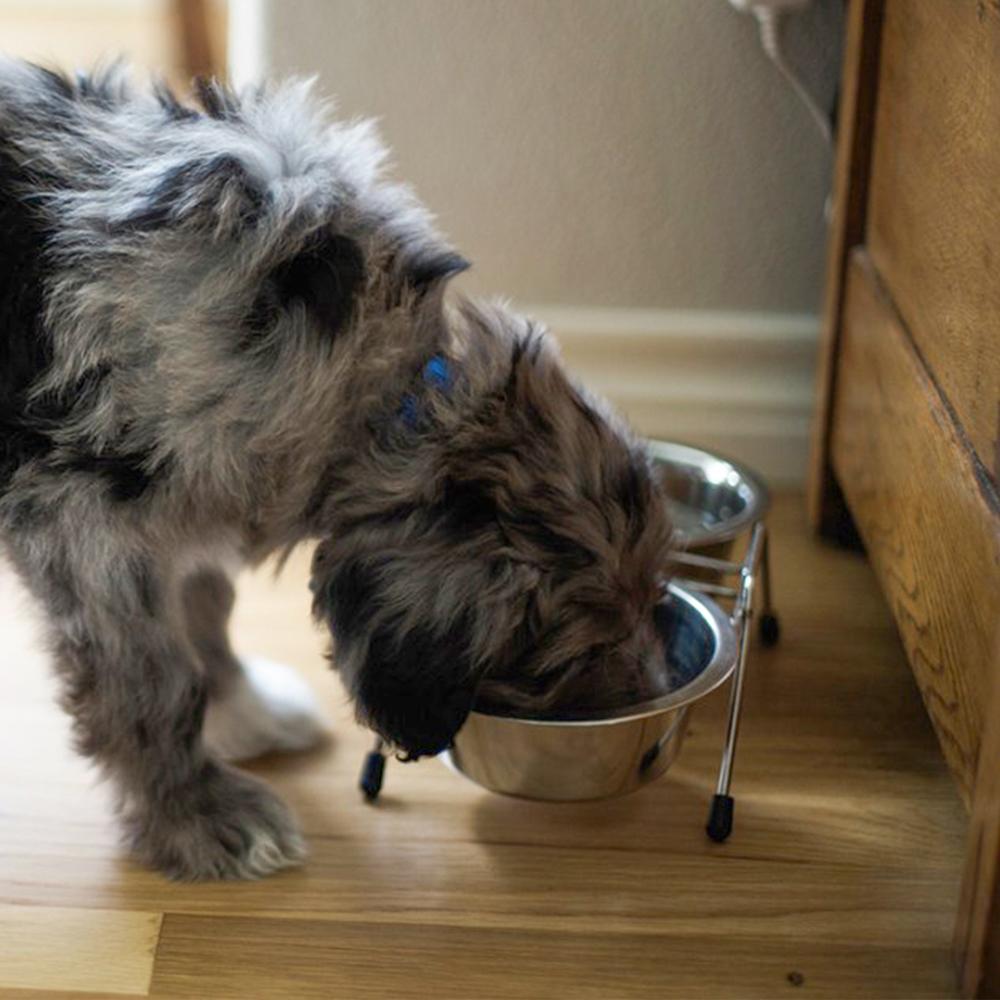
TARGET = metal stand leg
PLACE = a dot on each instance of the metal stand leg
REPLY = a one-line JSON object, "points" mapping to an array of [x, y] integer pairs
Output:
{"points": [[720, 817], [770, 627]]}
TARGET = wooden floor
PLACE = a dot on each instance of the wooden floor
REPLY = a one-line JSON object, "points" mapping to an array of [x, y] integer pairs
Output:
{"points": [[841, 878]]}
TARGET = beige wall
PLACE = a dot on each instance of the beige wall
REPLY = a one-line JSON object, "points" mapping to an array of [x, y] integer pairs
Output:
{"points": [[629, 153]]}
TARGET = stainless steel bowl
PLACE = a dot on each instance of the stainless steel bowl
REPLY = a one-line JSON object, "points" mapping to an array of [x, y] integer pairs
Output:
{"points": [[712, 500], [599, 756]]}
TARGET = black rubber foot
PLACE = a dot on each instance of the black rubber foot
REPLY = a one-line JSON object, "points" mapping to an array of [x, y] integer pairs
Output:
{"points": [[770, 630], [371, 775], [720, 818]]}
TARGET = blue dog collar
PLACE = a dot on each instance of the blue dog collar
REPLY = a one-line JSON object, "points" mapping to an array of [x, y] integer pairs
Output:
{"points": [[437, 374]]}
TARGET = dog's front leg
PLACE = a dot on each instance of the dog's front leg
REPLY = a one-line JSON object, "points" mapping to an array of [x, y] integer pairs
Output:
{"points": [[254, 706], [138, 696]]}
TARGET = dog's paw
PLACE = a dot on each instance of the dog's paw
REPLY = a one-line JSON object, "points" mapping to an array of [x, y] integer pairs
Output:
{"points": [[231, 826], [269, 709]]}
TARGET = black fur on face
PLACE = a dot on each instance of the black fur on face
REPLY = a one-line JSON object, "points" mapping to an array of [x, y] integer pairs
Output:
{"points": [[412, 667], [418, 685]]}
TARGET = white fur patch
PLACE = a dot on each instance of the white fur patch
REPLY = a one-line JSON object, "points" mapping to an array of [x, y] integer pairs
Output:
{"points": [[270, 709]]}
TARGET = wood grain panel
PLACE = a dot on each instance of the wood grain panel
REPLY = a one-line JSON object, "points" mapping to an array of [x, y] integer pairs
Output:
{"points": [[977, 929], [302, 959], [97, 951], [934, 213], [929, 522], [200, 26]]}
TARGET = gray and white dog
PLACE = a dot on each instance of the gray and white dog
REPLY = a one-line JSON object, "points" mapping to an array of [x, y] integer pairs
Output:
{"points": [[224, 332]]}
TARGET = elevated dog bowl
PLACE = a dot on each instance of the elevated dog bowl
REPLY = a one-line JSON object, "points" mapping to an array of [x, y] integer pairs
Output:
{"points": [[711, 500], [602, 755]]}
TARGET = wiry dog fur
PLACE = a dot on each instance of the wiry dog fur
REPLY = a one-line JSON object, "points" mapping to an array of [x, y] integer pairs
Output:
{"points": [[211, 322]]}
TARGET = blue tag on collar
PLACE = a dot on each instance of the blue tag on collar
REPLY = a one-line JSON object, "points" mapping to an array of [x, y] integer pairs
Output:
{"points": [[437, 374]]}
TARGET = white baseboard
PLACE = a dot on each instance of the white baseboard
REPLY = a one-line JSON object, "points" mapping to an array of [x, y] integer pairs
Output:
{"points": [[737, 383]]}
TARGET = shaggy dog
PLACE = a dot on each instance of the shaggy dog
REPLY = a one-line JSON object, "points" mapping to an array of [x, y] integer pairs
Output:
{"points": [[223, 332]]}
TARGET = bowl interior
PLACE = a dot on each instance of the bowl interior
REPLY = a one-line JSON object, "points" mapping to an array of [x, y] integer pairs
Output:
{"points": [[690, 641], [700, 655], [710, 499]]}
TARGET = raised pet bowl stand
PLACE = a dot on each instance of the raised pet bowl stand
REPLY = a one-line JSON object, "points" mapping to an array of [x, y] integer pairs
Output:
{"points": [[756, 560]]}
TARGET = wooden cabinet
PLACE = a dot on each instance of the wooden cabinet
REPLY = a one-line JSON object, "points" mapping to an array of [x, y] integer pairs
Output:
{"points": [[933, 226], [907, 440]]}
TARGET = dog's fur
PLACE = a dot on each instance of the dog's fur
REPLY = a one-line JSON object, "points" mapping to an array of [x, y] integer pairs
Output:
{"points": [[211, 324]]}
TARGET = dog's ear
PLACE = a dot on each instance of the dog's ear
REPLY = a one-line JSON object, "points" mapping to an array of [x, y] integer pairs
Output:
{"points": [[213, 194], [430, 268]]}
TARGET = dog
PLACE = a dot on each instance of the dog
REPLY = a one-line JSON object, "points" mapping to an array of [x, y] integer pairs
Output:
{"points": [[224, 332]]}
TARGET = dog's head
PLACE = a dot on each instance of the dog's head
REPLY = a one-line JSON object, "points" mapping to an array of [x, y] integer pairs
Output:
{"points": [[505, 539]]}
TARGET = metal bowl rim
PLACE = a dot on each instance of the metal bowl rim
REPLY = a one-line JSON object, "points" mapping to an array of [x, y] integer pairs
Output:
{"points": [[677, 452], [716, 672]]}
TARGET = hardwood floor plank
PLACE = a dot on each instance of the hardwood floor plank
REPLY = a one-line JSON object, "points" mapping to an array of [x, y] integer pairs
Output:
{"points": [[302, 959], [43, 994], [505, 885], [99, 951]]}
